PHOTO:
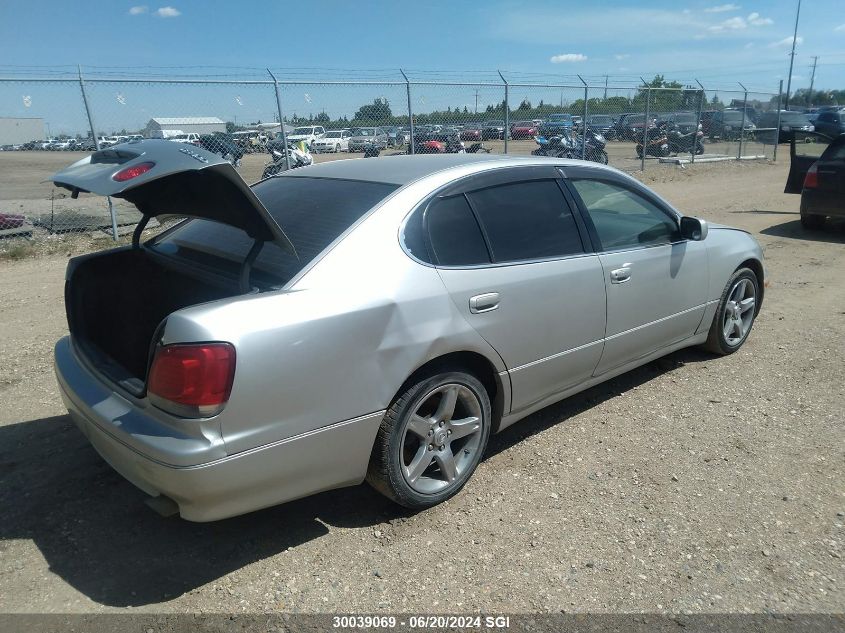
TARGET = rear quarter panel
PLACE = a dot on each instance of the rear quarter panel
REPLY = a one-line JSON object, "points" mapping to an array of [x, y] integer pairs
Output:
{"points": [[337, 343]]}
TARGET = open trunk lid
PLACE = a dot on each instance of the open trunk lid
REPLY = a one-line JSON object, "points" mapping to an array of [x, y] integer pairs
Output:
{"points": [[163, 178]]}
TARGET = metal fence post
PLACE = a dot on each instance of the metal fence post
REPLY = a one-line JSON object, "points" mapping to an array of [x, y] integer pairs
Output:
{"points": [[97, 145], [645, 127], [701, 100], [777, 129], [507, 131], [744, 114], [410, 109], [281, 118], [584, 121]]}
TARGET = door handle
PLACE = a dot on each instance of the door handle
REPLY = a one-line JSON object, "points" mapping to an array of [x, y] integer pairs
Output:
{"points": [[484, 303], [621, 275]]}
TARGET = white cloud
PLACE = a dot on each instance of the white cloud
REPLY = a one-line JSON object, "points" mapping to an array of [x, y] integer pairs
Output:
{"points": [[749, 45], [840, 28], [738, 23], [621, 56], [756, 20], [732, 24], [568, 57], [787, 41], [138, 10], [722, 8], [168, 12]]}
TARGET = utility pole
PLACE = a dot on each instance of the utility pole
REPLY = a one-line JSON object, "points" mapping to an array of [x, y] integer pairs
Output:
{"points": [[792, 56], [812, 80], [605, 87], [476, 100]]}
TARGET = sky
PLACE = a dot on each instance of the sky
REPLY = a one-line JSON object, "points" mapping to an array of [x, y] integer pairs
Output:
{"points": [[718, 43]]}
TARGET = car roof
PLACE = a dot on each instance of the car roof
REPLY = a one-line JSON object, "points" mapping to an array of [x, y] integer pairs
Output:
{"points": [[401, 170]]}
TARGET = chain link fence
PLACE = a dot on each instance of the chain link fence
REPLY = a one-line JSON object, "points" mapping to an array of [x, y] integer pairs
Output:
{"points": [[47, 123]]}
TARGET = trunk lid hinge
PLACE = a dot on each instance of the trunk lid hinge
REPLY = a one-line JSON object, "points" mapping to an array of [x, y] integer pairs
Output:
{"points": [[247, 265]]}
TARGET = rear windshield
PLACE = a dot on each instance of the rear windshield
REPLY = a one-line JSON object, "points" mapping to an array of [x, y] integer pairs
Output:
{"points": [[312, 212], [795, 118]]}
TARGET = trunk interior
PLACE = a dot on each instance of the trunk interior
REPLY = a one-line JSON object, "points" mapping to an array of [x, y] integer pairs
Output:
{"points": [[116, 301]]}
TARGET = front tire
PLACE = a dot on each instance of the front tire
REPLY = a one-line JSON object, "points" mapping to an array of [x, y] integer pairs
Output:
{"points": [[735, 313], [431, 439]]}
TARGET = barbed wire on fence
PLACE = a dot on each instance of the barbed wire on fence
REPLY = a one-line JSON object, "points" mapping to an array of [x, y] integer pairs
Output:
{"points": [[247, 112]]}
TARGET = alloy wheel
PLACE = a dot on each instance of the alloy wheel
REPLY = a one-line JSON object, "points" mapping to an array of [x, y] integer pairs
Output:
{"points": [[739, 311], [441, 439]]}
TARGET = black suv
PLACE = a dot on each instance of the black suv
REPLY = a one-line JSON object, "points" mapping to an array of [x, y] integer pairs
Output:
{"points": [[831, 122]]}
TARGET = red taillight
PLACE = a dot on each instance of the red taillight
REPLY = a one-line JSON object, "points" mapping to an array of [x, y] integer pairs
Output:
{"points": [[811, 180], [192, 380], [132, 172]]}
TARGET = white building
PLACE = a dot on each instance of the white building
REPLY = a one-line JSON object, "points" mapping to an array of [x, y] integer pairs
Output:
{"points": [[198, 124], [14, 130]]}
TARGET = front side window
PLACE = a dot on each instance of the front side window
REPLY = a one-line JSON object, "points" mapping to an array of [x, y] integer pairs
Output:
{"points": [[527, 220], [625, 219]]}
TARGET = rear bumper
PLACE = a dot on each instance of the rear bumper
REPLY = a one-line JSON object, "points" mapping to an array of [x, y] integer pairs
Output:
{"points": [[329, 457], [820, 202]]}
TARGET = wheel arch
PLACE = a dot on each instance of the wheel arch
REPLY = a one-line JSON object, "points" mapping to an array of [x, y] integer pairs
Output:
{"points": [[474, 363], [756, 266]]}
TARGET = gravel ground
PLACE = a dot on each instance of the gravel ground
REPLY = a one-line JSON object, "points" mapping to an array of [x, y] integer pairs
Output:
{"points": [[695, 483]]}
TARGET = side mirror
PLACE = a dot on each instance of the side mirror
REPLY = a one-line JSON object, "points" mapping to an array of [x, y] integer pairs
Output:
{"points": [[693, 228]]}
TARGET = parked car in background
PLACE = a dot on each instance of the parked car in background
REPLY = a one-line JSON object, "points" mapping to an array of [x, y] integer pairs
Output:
{"points": [[493, 129], [108, 141], [222, 144], [395, 136], [186, 137], [707, 120], [60, 145], [332, 141], [830, 123], [557, 124], [683, 122], [525, 129], [83, 145], [309, 134], [336, 352], [14, 225], [635, 124], [600, 123], [364, 136], [792, 124], [817, 172], [472, 132], [45, 145], [728, 125], [620, 129]]}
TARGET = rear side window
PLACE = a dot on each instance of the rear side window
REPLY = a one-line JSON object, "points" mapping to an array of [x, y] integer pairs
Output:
{"points": [[453, 233], [527, 220]]}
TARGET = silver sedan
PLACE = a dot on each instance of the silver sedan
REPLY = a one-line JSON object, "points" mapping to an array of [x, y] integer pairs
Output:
{"points": [[371, 319]]}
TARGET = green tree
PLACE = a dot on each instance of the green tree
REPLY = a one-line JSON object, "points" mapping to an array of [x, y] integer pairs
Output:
{"points": [[378, 111]]}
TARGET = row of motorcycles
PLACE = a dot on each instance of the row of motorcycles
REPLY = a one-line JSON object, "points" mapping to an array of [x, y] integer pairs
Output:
{"points": [[589, 145], [662, 140], [665, 139], [299, 155]]}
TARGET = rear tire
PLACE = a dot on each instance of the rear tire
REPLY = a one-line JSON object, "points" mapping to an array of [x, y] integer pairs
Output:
{"points": [[431, 439], [735, 313], [812, 222]]}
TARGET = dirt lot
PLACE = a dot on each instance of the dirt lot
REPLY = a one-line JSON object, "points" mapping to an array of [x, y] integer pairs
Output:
{"points": [[695, 483]]}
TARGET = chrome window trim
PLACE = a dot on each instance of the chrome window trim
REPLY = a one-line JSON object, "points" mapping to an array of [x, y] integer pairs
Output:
{"points": [[435, 194]]}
